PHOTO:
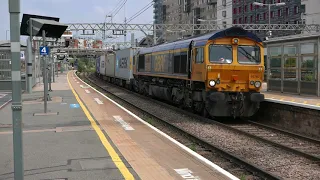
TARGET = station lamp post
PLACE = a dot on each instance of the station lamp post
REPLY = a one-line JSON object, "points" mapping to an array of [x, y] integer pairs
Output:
{"points": [[269, 11]]}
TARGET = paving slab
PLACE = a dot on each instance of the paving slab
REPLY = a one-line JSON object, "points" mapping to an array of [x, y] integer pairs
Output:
{"points": [[60, 145]]}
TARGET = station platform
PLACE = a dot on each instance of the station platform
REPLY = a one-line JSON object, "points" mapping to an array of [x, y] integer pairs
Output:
{"points": [[60, 144], [86, 135], [304, 101]]}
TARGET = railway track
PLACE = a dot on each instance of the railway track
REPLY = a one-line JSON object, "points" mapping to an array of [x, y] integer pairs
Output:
{"points": [[256, 171], [252, 131], [295, 143], [292, 142]]}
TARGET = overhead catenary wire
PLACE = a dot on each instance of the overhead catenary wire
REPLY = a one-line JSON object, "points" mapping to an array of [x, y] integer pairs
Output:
{"points": [[116, 7], [150, 4], [122, 5]]}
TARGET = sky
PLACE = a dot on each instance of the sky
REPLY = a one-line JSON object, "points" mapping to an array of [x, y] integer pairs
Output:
{"points": [[77, 11]]}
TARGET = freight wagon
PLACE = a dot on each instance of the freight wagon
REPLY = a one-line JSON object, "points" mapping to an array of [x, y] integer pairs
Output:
{"points": [[218, 74], [102, 65], [110, 68], [98, 66], [117, 67]]}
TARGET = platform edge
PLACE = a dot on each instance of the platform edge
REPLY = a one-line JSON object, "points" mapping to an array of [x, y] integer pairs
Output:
{"points": [[198, 156], [308, 106], [115, 157]]}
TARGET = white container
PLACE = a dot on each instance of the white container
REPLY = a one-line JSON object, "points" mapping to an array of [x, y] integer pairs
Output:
{"points": [[110, 65], [124, 64], [102, 65]]}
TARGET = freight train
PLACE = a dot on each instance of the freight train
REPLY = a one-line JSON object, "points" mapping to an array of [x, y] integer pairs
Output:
{"points": [[218, 74]]}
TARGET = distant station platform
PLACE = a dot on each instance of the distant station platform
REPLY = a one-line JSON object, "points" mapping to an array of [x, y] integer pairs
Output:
{"points": [[311, 102], [86, 135]]}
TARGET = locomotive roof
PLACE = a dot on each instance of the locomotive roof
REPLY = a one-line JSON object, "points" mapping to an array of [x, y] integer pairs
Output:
{"points": [[202, 40]]}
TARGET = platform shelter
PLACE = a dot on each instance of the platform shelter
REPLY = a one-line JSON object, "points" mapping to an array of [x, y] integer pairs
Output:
{"points": [[292, 64]]}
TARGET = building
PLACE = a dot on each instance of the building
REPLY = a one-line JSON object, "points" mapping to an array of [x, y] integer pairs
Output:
{"points": [[158, 11], [310, 11], [293, 12], [189, 12], [235, 12], [224, 12]]}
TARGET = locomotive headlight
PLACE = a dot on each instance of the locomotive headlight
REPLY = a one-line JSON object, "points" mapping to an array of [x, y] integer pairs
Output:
{"points": [[257, 84], [212, 83], [251, 82], [235, 41]]}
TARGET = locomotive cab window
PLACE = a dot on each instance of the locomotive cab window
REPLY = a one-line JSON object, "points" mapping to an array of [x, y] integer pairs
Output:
{"points": [[249, 55], [221, 54], [199, 55], [141, 63]]}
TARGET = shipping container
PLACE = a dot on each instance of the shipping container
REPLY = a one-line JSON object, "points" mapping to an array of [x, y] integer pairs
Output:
{"points": [[102, 65], [98, 65], [124, 62], [110, 65]]}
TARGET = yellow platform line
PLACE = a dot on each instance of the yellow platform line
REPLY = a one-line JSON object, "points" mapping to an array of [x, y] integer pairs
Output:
{"points": [[115, 158]]}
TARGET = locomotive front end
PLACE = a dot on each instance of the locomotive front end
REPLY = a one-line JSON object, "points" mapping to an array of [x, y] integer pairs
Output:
{"points": [[235, 73]]}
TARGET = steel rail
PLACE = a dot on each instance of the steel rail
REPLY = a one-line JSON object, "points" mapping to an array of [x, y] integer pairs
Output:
{"points": [[313, 140], [313, 158]]}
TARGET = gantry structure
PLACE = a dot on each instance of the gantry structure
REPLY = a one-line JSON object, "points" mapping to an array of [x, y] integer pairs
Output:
{"points": [[151, 31], [120, 29]]}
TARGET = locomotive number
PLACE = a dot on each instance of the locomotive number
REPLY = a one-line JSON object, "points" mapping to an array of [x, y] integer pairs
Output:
{"points": [[159, 64], [254, 76], [123, 62]]}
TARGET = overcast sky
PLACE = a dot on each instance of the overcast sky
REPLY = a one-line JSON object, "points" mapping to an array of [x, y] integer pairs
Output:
{"points": [[77, 11]]}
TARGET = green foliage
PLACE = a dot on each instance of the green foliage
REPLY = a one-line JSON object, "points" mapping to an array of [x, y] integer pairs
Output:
{"points": [[86, 65], [243, 177], [290, 62], [308, 77], [307, 64]]}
